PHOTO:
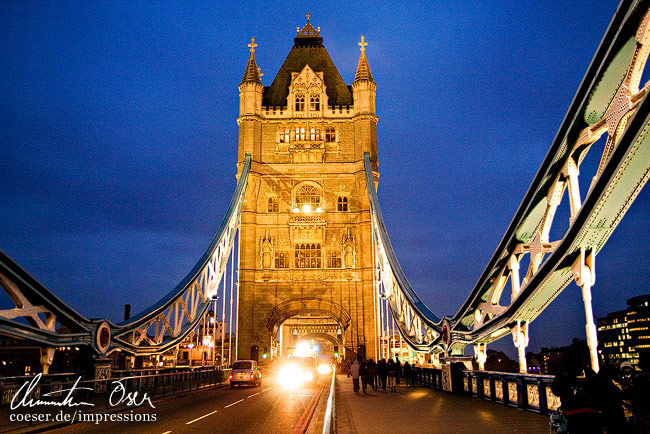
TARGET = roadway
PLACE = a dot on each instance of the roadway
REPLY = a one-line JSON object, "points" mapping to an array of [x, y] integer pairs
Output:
{"points": [[269, 408], [274, 409]]}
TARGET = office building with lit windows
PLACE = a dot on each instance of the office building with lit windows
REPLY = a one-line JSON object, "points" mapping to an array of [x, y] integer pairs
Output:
{"points": [[624, 336]]}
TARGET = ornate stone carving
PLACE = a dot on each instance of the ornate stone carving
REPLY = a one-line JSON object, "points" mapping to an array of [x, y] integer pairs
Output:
{"points": [[498, 389], [486, 387], [512, 392], [552, 401], [533, 395]]}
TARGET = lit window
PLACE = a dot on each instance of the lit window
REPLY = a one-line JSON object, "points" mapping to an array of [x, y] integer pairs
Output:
{"points": [[300, 133], [284, 135], [330, 134], [314, 103], [342, 204], [300, 103], [273, 204], [282, 260], [314, 134], [308, 256], [308, 195]]}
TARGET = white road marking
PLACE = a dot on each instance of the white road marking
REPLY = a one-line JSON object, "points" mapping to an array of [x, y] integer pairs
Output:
{"points": [[236, 402], [250, 396], [198, 418], [166, 432], [268, 388]]}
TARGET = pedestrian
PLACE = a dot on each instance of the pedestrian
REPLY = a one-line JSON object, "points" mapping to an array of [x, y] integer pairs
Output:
{"points": [[354, 372], [347, 368], [407, 373], [392, 375], [576, 386], [372, 372], [363, 373], [398, 368], [382, 369]]}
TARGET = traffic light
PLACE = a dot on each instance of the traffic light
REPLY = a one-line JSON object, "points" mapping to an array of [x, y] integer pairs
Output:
{"points": [[265, 354], [336, 351]]}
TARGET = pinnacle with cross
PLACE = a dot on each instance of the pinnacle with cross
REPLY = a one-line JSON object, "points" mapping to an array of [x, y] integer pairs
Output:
{"points": [[363, 44], [308, 17], [252, 45]]}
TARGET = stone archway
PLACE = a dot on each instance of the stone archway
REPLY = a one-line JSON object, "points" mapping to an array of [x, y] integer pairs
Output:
{"points": [[283, 311]]}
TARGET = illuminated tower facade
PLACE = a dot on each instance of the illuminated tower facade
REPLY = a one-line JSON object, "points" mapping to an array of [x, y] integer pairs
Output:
{"points": [[306, 246]]}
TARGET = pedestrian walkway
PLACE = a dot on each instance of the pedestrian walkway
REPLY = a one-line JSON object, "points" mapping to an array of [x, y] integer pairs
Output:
{"points": [[423, 410]]}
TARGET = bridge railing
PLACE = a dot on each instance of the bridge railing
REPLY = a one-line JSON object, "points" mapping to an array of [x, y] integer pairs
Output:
{"points": [[98, 392], [528, 392]]}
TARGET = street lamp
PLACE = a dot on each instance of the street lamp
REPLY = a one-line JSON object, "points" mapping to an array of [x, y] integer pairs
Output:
{"points": [[215, 297]]}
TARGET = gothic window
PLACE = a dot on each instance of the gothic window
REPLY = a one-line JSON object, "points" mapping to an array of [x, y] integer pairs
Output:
{"points": [[300, 102], [282, 260], [314, 103], [342, 203], [284, 135], [273, 204], [300, 133], [334, 260], [330, 134], [314, 134], [308, 196], [308, 256]]}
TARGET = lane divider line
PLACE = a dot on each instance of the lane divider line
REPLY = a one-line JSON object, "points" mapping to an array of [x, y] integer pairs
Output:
{"points": [[250, 396], [268, 388], [236, 402], [166, 432], [198, 418]]}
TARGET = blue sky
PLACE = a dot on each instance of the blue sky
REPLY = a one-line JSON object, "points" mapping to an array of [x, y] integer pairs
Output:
{"points": [[118, 137]]}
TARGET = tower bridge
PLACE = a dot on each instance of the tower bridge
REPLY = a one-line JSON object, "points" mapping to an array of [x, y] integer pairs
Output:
{"points": [[303, 251]]}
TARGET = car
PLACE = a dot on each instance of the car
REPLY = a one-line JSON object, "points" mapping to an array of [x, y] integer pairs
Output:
{"points": [[297, 371], [245, 372]]}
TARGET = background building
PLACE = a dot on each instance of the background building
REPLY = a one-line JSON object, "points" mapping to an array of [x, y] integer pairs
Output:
{"points": [[624, 336]]}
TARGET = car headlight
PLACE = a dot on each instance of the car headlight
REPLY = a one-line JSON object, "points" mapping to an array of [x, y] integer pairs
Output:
{"points": [[291, 376], [324, 369]]}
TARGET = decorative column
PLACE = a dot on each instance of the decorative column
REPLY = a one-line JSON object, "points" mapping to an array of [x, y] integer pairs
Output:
{"points": [[47, 356], [480, 351], [584, 271], [520, 338]]}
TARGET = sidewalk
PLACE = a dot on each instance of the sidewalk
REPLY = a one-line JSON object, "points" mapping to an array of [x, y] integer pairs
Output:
{"points": [[423, 410]]}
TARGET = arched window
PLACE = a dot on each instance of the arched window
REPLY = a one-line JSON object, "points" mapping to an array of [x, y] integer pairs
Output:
{"points": [[300, 133], [273, 204], [314, 134], [308, 196], [314, 103], [282, 260], [300, 102], [342, 203], [308, 255], [330, 134]]}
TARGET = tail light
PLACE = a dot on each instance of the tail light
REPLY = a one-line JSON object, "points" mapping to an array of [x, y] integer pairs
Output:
{"points": [[252, 376], [230, 377]]}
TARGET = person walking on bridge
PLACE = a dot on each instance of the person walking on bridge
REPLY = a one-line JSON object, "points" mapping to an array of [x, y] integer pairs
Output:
{"points": [[354, 372]]}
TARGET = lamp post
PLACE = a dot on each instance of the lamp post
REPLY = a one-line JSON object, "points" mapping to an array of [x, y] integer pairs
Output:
{"points": [[215, 297]]}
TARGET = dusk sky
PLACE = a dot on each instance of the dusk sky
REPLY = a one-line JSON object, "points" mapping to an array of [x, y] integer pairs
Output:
{"points": [[118, 137]]}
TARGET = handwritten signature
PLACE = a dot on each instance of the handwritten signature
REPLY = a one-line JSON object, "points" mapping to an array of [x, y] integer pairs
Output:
{"points": [[119, 395]]}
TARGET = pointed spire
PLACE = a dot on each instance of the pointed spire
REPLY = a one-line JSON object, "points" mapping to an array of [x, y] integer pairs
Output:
{"points": [[252, 72], [363, 69]]}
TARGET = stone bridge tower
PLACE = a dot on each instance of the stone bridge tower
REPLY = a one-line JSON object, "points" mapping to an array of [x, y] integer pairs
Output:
{"points": [[306, 265]]}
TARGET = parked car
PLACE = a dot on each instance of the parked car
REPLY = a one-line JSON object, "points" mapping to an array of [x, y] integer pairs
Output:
{"points": [[245, 372]]}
